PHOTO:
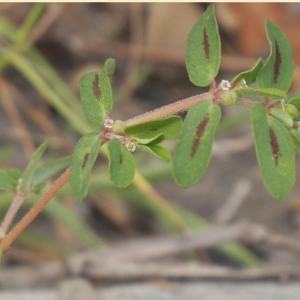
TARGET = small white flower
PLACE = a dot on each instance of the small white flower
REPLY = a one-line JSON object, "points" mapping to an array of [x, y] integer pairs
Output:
{"points": [[131, 146], [108, 122], [225, 85], [283, 104]]}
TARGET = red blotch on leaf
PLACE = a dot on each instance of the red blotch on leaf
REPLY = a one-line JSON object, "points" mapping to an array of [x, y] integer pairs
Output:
{"points": [[198, 135], [96, 89], [277, 63], [206, 44], [85, 160], [274, 145], [121, 159]]}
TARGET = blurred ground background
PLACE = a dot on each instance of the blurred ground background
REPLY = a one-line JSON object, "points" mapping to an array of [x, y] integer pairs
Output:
{"points": [[148, 41]]}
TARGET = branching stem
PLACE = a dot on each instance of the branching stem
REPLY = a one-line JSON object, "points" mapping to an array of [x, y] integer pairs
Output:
{"points": [[17, 202], [35, 210], [161, 112]]}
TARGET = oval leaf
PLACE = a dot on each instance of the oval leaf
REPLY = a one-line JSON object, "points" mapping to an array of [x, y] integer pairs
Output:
{"points": [[267, 93], [274, 151], [278, 71], [121, 164], [204, 50], [155, 140], [169, 127], [250, 75], [193, 151], [6, 182], [83, 159], [9, 179], [156, 150], [295, 134], [282, 116], [49, 169], [96, 94], [14, 173], [296, 102], [32, 167]]}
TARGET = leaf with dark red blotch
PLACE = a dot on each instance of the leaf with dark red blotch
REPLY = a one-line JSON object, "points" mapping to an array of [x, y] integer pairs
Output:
{"points": [[96, 94], [121, 164], [278, 71], [204, 50], [83, 159], [193, 150], [275, 152]]}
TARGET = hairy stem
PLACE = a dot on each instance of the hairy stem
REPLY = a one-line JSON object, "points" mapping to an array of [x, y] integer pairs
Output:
{"points": [[35, 210], [17, 202], [169, 109]]}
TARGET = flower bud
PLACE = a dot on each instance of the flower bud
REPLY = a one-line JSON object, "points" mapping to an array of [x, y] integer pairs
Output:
{"points": [[228, 97], [282, 116], [118, 127], [291, 110]]}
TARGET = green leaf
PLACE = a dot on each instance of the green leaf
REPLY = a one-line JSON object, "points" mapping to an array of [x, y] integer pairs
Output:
{"points": [[282, 116], [204, 50], [14, 173], [32, 167], [9, 179], [49, 169], [295, 134], [96, 94], [296, 102], [110, 65], [266, 92], [121, 164], [6, 182], [156, 150], [169, 127], [155, 140], [274, 151], [250, 75], [83, 159], [278, 71], [193, 150]]}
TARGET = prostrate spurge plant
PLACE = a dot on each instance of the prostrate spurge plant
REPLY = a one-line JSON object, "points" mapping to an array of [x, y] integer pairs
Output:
{"points": [[275, 124]]}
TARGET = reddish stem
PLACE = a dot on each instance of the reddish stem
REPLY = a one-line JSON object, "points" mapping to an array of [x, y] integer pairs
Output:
{"points": [[169, 109], [17, 202], [35, 210]]}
